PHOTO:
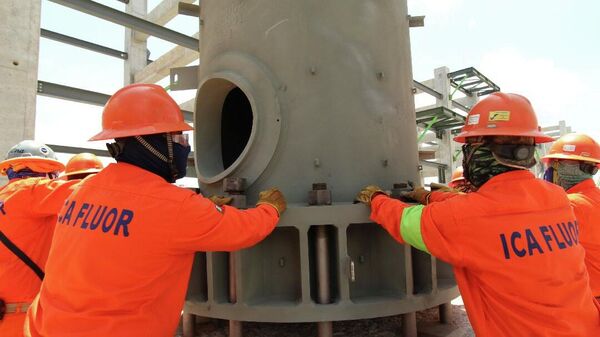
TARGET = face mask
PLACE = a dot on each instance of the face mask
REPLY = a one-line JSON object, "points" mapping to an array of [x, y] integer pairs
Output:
{"points": [[180, 159], [566, 174], [145, 152], [480, 165], [24, 173]]}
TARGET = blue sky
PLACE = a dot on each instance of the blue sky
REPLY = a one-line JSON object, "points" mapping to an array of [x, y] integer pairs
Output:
{"points": [[548, 51]]}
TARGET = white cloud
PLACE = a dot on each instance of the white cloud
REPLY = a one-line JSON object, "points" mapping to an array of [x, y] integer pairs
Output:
{"points": [[557, 93]]}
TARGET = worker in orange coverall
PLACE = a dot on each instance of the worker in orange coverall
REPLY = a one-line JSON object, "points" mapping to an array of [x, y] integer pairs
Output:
{"points": [[125, 239], [514, 243], [82, 165], [572, 161], [29, 204]]}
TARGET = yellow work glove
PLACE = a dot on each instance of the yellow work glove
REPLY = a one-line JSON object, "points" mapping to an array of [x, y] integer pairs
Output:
{"points": [[220, 200], [442, 188], [366, 194], [274, 198], [420, 195]]}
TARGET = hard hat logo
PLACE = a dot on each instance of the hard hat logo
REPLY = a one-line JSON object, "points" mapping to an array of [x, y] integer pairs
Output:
{"points": [[44, 150], [473, 120], [496, 116]]}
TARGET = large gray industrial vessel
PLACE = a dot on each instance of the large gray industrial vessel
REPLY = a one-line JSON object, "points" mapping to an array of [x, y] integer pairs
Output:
{"points": [[313, 97]]}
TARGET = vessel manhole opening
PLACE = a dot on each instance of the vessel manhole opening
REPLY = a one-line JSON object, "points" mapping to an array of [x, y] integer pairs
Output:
{"points": [[236, 126]]}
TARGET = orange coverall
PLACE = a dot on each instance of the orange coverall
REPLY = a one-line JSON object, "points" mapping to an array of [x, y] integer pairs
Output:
{"points": [[585, 200], [28, 209], [123, 250], [515, 252]]}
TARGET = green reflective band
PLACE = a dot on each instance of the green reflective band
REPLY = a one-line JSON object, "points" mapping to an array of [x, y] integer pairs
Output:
{"points": [[410, 227]]}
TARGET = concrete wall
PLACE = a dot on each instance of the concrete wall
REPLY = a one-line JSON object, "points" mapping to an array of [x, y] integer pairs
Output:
{"points": [[135, 47], [19, 41]]}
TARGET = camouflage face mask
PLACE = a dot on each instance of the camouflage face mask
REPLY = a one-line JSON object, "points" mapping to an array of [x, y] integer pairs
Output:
{"points": [[569, 174], [480, 165]]}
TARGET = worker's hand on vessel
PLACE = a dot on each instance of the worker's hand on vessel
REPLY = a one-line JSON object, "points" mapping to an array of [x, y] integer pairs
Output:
{"points": [[274, 198], [442, 188], [220, 200], [420, 195], [368, 193]]}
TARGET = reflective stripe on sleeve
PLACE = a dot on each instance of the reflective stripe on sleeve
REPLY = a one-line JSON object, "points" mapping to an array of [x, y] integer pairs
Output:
{"points": [[410, 227]]}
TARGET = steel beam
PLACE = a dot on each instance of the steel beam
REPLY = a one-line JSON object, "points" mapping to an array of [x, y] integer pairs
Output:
{"points": [[432, 164], [83, 96], [448, 125], [460, 106], [188, 9], [71, 94], [130, 21], [83, 44], [427, 89], [74, 150]]}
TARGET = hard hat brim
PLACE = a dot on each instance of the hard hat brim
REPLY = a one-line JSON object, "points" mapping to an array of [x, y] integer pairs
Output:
{"points": [[539, 137], [547, 158], [42, 165], [141, 131], [90, 170]]}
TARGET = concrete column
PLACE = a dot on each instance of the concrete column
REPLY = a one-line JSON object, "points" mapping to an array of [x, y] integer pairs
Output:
{"points": [[136, 48], [441, 84], [19, 53]]}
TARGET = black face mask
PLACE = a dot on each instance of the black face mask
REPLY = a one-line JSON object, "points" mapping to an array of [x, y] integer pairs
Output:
{"points": [[131, 150], [180, 159]]}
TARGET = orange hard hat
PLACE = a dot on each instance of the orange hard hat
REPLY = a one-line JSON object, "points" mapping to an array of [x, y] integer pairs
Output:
{"points": [[502, 114], [83, 163], [575, 146], [457, 176], [140, 109]]}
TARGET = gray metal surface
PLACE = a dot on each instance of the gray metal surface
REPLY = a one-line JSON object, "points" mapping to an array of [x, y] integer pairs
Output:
{"points": [[322, 88], [310, 96], [130, 21], [386, 283], [183, 78]]}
